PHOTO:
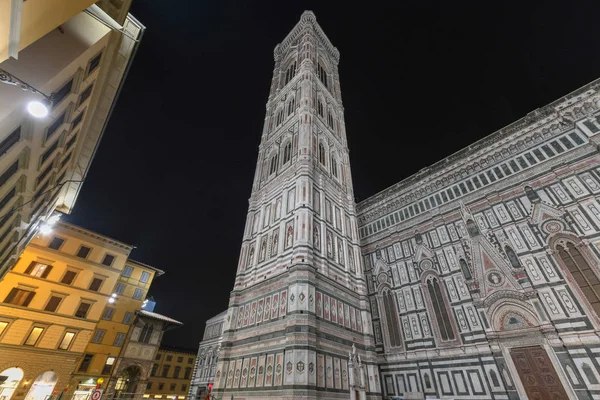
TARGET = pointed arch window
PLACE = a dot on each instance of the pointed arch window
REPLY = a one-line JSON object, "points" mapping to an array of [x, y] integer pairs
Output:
{"points": [[321, 153], [291, 106], [287, 152], [589, 374], [320, 110], [532, 195], [391, 314], [472, 228], [279, 117], [322, 74], [273, 164], [442, 316], [146, 334], [465, 269], [334, 167], [330, 120], [512, 257], [494, 378], [290, 73], [586, 278]]}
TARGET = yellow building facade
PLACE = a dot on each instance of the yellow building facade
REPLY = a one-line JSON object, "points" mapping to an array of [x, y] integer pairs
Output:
{"points": [[66, 308], [171, 373]]}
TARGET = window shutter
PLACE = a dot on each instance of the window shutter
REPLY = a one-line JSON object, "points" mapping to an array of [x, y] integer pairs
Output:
{"points": [[28, 299], [30, 267], [47, 271], [11, 295]]}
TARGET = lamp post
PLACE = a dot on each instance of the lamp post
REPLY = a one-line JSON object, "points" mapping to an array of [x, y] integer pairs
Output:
{"points": [[37, 108]]}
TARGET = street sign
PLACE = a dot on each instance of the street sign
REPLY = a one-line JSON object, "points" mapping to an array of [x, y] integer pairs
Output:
{"points": [[96, 394]]}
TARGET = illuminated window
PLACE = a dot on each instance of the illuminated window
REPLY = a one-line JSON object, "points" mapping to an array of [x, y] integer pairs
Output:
{"points": [[3, 325], [66, 340], [38, 269], [19, 297], [34, 336], [110, 361]]}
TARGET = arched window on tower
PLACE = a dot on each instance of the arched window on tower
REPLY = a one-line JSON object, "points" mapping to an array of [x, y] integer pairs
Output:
{"points": [[391, 315], [320, 108], [334, 167], [279, 117], [322, 74], [512, 257], [532, 195], [291, 106], [442, 316], [465, 269], [322, 153], [290, 72], [273, 164], [586, 278], [287, 153], [330, 120]]}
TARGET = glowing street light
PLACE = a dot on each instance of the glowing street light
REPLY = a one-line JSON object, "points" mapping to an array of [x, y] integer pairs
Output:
{"points": [[37, 108], [45, 229]]}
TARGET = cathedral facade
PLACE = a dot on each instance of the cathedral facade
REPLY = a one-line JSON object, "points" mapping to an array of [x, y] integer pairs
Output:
{"points": [[475, 278]]}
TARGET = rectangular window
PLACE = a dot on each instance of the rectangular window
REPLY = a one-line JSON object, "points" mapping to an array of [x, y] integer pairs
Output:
{"points": [[77, 120], [557, 147], [64, 162], [46, 155], [55, 125], [119, 339], [119, 288], [444, 197], [190, 360], [566, 142], [94, 63], [10, 141], [450, 194], [38, 269], [188, 372], [110, 361], [161, 386], [432, 201], [154, 369], [127, 318], [83, 252], [127, 271], [3, 325], [456, 191], [490, 175], [34, 336], [108, 313], [470, 185], [138, 294], [476, 182], [576, 138], [149, 386], [165, 370], [548, 151], [19, 297], [591, 126], [514, 165], [179, 359], [498, 173], [68, 277], [96, 283], [145, 277], [10, 171], [183, 387], [506, 170], [539, 154], [463, 189], [66, 340], [98, 336], [108, 259], [53, 303], [172, 386], [85, 363], [55, 243], [44, 173], [530, 158], [71, 142], [522, 162], [85, 94], [61, 93], [169, 358], [82, 310]]}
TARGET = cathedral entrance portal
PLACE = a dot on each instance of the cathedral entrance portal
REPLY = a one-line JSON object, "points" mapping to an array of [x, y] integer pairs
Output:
{"points": [[537, 374]]}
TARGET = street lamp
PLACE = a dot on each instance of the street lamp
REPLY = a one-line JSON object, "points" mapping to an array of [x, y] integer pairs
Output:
{"points": [[37, 108]]}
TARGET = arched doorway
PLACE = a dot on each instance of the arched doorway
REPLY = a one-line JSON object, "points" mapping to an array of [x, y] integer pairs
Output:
{"points": [[9, 386], [41, 388], [127, 382]]}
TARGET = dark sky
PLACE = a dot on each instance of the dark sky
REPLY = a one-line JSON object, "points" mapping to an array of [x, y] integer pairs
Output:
{"points": [[419, 81]]}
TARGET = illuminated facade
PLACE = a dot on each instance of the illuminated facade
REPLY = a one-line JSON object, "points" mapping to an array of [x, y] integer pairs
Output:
{"points": [[208, 355], [43, 161], [478, 277], [300, 301], [171, 373]]}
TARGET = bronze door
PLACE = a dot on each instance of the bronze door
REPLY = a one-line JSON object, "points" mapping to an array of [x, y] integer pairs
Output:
{"points": [[537, 374]]}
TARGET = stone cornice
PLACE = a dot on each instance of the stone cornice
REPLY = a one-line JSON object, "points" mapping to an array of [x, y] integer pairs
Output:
{"points": [[524, 133], [308, 19]]}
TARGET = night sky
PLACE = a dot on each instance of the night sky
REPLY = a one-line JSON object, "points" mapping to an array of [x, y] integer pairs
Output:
{"points": [[419, 81]]}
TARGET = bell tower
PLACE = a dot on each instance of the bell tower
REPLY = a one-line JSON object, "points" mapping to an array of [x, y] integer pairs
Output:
{"points": [[299, 302]]}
